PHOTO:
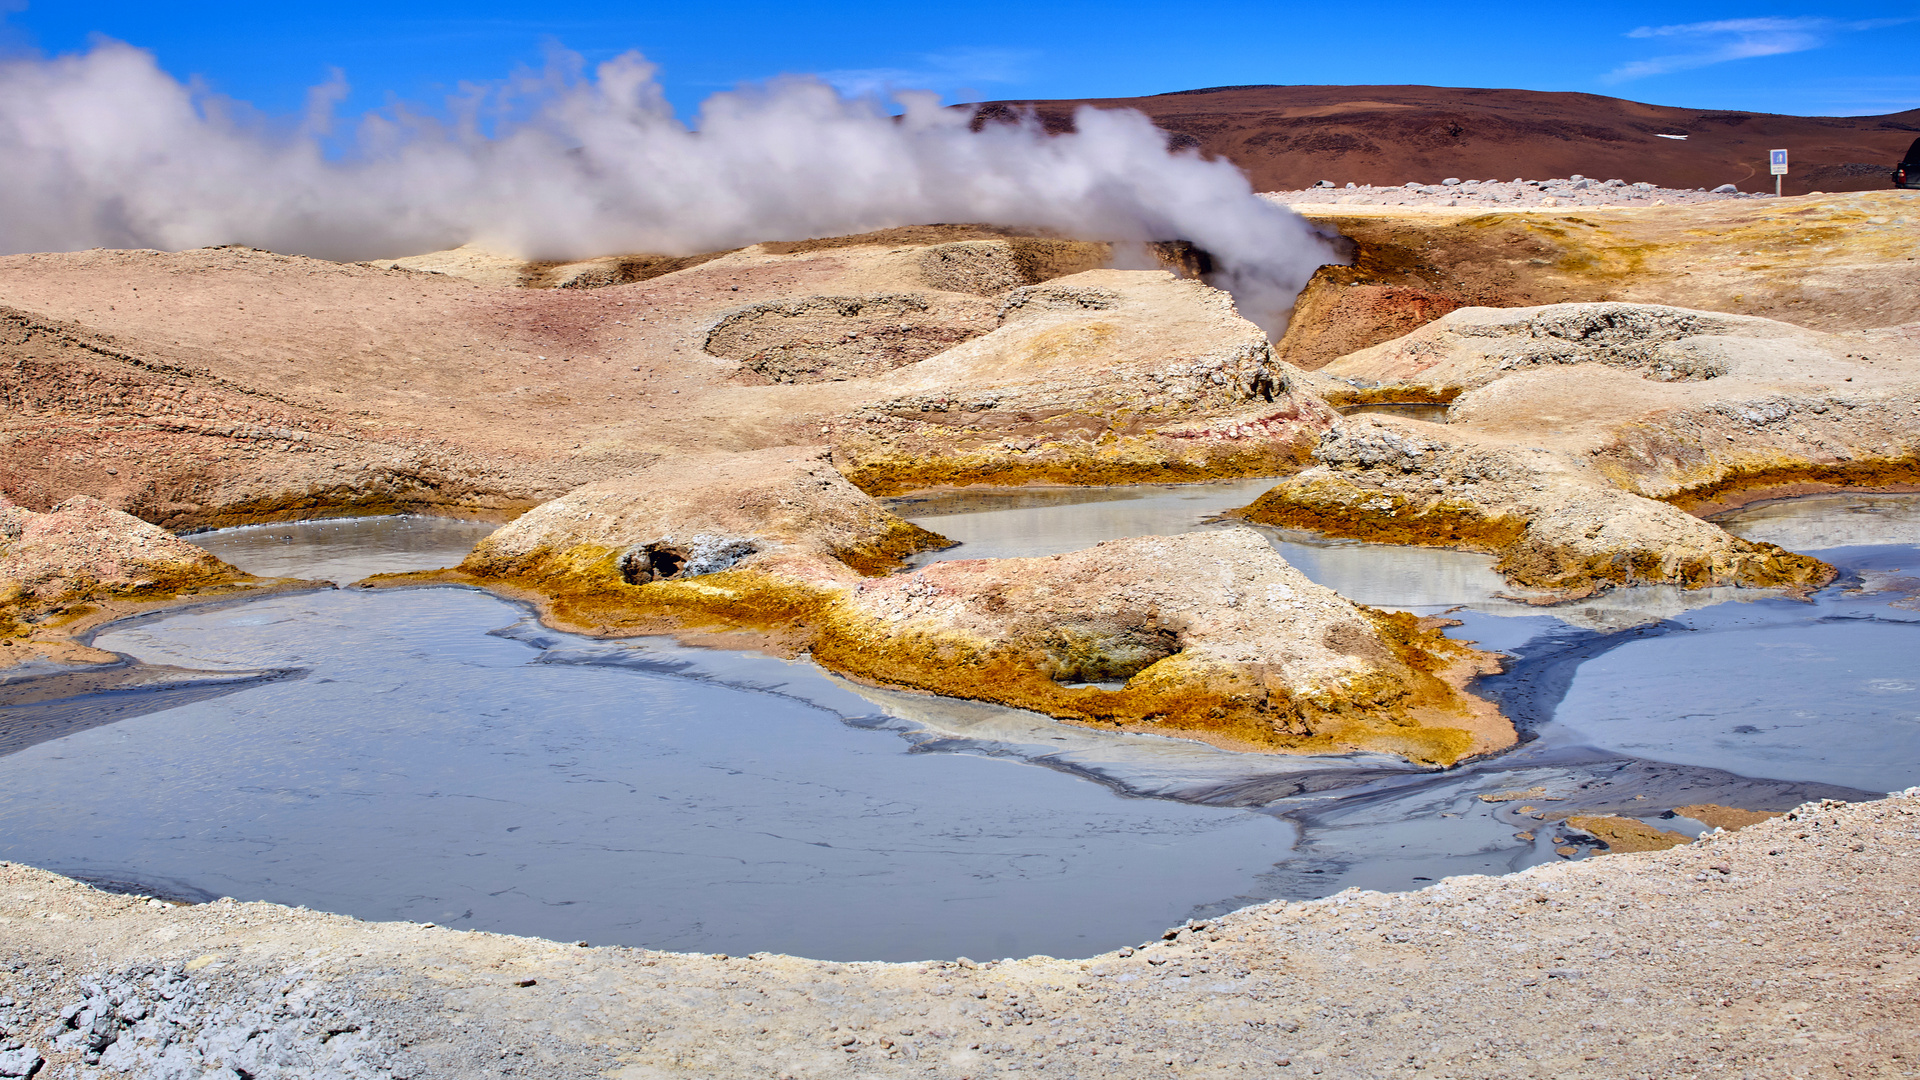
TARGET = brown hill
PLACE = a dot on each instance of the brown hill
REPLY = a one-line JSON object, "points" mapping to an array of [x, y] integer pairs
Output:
{"points": [[1292, 136]]}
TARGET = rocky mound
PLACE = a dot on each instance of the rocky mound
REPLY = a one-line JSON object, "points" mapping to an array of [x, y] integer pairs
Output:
{"points": [[1830, 263], [1695, 408], [1568, 421], [1471, 347], [1556, 527], [1102, 377], [84, 561], [700, 514], [1723, 454], [1212, 635], [750, 543]]}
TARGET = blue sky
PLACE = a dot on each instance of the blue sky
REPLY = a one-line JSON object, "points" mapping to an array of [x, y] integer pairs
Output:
{"points": [[1828, 59]]}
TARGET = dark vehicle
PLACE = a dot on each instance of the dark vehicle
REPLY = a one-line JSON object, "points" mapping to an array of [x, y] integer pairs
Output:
{"points": [[1907, 173]]}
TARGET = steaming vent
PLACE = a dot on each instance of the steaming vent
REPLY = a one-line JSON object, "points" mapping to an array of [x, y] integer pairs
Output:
{"points": [[1104, 655], [104, 149], [664, 560]]}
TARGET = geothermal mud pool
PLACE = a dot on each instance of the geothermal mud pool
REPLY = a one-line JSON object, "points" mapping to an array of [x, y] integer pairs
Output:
{"points": [[435, 755]]}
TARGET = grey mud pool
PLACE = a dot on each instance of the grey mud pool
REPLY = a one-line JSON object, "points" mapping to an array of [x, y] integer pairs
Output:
{"points": [[436, 755]]}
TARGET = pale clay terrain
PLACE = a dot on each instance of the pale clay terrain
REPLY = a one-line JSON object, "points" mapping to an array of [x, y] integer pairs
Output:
{"points": [[1586, 432]]}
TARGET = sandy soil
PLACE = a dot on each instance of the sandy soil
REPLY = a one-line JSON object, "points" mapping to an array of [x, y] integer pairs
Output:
{"points": [[1787, 949]]}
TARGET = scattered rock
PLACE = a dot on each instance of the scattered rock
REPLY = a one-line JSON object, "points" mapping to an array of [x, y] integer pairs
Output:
{"points": [[1472, 347], [158, 1022], [1107, 376]]}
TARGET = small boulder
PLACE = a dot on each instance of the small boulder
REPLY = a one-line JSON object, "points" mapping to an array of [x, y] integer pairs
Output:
{"points": [[21, 1063]]}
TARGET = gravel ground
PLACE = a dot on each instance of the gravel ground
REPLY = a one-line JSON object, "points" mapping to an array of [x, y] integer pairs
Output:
{"points": [[1571, 191], [1788, 949]]}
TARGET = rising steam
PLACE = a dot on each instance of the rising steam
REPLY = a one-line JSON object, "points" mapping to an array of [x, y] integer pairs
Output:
{"points": [[103, 149]]}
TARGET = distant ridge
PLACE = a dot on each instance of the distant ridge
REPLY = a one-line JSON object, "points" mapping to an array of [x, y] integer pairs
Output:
{"points": [[1292, 136]]}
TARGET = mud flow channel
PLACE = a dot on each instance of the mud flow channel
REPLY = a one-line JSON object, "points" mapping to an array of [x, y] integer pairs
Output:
{"points": [[435, 755]]}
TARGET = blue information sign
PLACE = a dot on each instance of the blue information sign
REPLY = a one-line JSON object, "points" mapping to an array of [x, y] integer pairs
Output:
{"points": [[1778, 159]]}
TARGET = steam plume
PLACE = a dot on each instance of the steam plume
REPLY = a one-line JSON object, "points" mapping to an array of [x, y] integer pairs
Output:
{"points": [[104, 149]]}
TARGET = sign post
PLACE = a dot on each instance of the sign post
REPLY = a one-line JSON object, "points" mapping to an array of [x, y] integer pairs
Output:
{"points": [[1777, 159]]}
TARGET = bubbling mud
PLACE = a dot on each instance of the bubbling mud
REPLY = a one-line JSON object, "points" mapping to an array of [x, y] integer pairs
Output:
{"points": [[435, 755], [427, 769]]}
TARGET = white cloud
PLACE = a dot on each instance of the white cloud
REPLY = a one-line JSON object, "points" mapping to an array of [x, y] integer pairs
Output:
{"points": [[949, 69], [1721, 41]]}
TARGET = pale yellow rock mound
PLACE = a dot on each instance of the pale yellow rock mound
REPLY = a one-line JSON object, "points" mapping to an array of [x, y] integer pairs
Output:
{"points": [[703, 513], [1472, 347], [1208, 634], [1558, 527], [1102, 376]]}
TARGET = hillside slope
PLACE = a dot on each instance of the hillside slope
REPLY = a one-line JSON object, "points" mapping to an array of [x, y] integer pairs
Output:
{"points": [[1292, 136]]}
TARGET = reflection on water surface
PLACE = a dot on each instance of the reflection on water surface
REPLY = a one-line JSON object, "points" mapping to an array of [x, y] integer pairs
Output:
{"points": [[1817, 522], [344, 550]]}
